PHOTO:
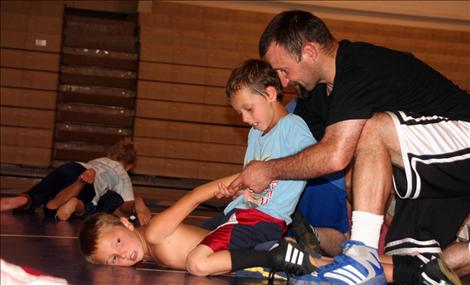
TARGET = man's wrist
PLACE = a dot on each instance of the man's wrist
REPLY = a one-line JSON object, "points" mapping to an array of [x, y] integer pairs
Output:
{"points": [[272, 169]]}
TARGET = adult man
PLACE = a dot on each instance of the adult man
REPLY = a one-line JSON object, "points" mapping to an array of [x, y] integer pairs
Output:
{"points": [[386, 109]]}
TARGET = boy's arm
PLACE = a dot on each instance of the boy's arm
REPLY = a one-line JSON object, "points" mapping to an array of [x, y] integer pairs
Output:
{"points": [[167, 221]]}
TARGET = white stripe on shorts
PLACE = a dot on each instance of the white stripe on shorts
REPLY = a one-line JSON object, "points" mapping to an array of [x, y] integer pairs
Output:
{"points": [[433, 137]]}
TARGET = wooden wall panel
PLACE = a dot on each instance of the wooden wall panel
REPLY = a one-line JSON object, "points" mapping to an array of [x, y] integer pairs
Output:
{"points": [[210, 114], [169, 53], [30, 60], [27, 98], [25, 155], [210, 152], [30, 41], [31, 23], [28, 137], [190, 131], [182, 93], [29, 118], [30, 47], [184, 168], [205, 76], [199, 39], [29, 79]]}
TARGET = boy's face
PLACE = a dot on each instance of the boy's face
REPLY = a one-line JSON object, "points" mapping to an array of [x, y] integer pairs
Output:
{"points": [[256, 109], [119, 245]]}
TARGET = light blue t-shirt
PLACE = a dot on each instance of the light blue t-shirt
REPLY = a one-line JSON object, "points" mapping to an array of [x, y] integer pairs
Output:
{"points": [[290, 135]]}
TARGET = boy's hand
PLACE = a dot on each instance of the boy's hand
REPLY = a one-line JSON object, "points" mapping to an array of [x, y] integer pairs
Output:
{"points": [[88, 176], [144, 216], [222, 191]]}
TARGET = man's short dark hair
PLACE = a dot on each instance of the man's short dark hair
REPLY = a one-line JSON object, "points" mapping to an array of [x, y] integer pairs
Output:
{"points": [[256, 75], [292, 29]]}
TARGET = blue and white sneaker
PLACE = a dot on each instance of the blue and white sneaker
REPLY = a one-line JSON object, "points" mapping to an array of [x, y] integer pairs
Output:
{"points": [[359, 264]]}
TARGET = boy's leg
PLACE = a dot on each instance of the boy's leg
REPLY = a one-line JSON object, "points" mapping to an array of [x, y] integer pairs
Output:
{"points": [[53, 183], [109, 202], [285, 256], [72, 206], [72, 190], [203, 261]]}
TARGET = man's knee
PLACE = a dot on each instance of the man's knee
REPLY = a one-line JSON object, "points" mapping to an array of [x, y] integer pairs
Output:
{"points": [[457, 257], [380, 130], [377, 127]]}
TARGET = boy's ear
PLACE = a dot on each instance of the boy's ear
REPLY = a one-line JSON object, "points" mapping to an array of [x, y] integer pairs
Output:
{"points": [[126, 223], [271, 92]]}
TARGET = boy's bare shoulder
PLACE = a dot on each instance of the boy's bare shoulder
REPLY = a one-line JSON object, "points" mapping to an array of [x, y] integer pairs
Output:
{"points": [[173, 250]]}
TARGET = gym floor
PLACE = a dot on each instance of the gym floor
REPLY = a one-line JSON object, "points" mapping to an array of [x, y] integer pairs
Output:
{"points": [[29, 239]]}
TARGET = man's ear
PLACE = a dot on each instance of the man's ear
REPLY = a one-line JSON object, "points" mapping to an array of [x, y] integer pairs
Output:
{"points": [[271, 93], [126, 223], [311, 50]]}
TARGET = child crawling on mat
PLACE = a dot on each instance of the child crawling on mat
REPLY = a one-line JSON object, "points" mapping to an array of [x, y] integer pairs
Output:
{"points": [[81, 189], [255, 91]]}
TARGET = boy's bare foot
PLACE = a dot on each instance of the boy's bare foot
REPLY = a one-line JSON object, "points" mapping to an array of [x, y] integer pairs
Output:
{"points": [[9, 203], [88, 176], [67, 209]]}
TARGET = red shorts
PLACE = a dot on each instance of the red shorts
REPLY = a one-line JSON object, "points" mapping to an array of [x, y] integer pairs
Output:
{"points": [[244, 229]]}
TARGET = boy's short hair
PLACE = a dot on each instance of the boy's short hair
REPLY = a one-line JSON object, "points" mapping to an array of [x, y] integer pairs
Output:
{"points": [[123, 151], [91, 230], [256, 75]]}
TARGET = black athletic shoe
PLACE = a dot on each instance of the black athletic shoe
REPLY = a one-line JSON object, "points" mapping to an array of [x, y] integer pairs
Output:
{"points": [[289, 258], [435, 272], [305, 235]]}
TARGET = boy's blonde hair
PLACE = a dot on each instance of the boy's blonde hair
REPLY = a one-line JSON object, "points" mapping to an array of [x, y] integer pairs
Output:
{"points": [[91, 230], [123, 151]]}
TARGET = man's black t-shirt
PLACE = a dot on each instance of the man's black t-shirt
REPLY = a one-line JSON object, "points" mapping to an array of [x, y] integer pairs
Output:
{"points": [[373, 79]]}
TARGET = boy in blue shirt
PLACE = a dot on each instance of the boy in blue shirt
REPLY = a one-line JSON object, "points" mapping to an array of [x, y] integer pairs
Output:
{"points": [[255, 92]]}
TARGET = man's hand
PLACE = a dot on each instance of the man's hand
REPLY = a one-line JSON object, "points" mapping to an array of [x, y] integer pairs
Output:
{"points": [[256, 176]]}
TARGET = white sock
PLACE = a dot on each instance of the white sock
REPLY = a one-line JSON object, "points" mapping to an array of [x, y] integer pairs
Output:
{"points": [[366, 228]]}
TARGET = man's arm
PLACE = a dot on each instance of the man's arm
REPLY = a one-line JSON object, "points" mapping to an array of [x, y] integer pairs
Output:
{"points": [[333, 153], [167, 221]]}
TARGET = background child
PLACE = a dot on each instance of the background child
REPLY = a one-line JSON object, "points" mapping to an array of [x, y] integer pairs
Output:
{"points": [[100, 185]]}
